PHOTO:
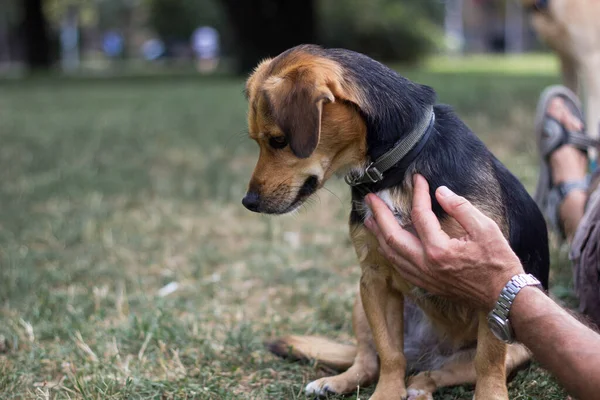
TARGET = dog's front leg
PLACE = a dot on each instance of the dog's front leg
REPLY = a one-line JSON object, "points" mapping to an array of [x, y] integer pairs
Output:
{"points": [[364, 370], [490, 364], [379, 302]]}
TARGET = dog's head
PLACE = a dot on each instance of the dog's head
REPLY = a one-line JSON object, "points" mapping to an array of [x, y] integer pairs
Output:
{"points": [[305, 117]]}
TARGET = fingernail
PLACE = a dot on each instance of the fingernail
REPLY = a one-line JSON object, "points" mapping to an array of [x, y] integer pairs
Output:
{"points": [[368, 200], [369, 222], [380, 250], [444, 191], [414, 179]]}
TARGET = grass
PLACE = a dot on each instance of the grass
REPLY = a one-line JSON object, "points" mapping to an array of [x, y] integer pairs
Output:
{"points": [[541, 64], [129, 269]]}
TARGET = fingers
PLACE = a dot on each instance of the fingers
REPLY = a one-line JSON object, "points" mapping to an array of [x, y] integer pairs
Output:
{"points": [[407, 269], [469, 217], [424, 220], [415, 274], [389, 232]]}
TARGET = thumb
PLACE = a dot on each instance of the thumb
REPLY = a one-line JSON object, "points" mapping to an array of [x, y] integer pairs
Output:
{"points": [[470, 218]]}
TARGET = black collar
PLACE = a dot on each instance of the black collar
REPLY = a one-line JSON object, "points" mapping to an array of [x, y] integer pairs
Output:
{"points": [[396, 160]]}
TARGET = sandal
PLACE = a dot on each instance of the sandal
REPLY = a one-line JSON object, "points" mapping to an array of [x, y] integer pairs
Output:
{"points": [[551, 135]]}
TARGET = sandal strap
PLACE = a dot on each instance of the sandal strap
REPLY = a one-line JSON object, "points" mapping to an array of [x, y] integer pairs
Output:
{"points": [[581, 141], [557, 135], [555, 198], [565, 188]]}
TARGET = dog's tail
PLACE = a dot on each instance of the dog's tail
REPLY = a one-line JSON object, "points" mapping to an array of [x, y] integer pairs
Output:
{"points": [[325, 352]]}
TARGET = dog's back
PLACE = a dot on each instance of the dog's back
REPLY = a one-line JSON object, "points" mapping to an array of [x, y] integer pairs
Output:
{"points": [[458, 159], [453, 156], [528, 235]]}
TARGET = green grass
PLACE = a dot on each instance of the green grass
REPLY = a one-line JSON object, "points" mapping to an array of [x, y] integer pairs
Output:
{"points": [[112, 189], [542, 64]]}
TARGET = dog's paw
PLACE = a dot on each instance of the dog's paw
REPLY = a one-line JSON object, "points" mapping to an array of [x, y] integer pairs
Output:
{"points": [[320, 388], [390, 391], [418, 394]]}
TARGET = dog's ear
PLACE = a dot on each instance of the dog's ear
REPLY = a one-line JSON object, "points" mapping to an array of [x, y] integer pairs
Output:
{"points": [[296, 106]]}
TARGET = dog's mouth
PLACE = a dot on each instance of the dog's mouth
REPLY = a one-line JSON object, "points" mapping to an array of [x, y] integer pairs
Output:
{"points": [[310, 185], [275, 207]]}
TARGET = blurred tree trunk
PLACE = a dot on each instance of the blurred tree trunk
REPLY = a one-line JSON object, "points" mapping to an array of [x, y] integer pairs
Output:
{"points": [[514, 27], [35, 34], [454, 27], [5, 56], [264, 28]]}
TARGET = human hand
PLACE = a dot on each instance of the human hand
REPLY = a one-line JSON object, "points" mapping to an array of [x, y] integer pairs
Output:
{"points": [[472, 268]]}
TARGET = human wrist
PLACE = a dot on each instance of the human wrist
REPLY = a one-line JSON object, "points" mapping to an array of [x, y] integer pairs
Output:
{"points": [[529, 304], [525, 297], [498, 319]]}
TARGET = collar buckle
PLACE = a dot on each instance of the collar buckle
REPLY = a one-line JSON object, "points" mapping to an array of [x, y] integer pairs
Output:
{"points": [[373, 173], [370, 175]]}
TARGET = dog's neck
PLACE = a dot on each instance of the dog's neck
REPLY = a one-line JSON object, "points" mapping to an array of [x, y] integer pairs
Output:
{"points": [[392, 165], [379, 147], [380, 140], [391, 106], [387, 128]]}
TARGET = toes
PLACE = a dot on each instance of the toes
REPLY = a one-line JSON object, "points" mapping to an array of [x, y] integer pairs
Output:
{"points": [[556, 108], [315, 388], [574, 123], [559, 110]]}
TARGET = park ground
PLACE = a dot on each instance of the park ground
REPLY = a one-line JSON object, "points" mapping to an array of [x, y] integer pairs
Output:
{"points": [[129, 268]]}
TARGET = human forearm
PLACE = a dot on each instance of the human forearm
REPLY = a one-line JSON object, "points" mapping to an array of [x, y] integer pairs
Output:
{"points": [[563, 345]]}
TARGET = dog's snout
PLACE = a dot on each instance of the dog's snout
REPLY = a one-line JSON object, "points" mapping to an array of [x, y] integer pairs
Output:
{"points": [[251, 201]]}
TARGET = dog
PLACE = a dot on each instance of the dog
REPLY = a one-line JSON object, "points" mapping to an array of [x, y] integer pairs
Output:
{"points": [[571, 29], [318, 112]]}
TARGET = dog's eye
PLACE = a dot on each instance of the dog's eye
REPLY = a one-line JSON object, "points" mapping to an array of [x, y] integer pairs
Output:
{"points": [[278, 142]]}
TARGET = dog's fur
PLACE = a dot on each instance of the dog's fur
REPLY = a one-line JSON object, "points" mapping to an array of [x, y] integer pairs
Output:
{"points": [[571, 29], [317, 111]]}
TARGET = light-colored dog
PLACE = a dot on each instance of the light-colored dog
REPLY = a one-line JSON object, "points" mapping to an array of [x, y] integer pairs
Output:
{"points": [[572, 29]]}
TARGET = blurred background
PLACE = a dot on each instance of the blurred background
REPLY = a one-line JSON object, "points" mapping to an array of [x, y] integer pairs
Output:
{"points": [[128, 267], [97, 35]]}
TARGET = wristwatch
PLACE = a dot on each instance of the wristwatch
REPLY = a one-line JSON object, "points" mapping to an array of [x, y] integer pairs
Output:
{"points": [[498, 317]]}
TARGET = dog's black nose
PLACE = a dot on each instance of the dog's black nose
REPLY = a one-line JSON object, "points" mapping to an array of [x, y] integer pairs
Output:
{"points": [[250, 201]]}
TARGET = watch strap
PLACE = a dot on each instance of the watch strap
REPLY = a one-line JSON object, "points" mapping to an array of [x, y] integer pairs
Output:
{"points": [[507, 296]]}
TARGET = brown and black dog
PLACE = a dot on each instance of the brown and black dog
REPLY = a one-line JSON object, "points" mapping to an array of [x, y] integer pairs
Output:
{"points": [[315, 112]]}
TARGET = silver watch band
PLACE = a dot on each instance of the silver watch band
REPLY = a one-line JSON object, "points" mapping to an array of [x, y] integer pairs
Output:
{"points": [[498, 317], [510, 291]]}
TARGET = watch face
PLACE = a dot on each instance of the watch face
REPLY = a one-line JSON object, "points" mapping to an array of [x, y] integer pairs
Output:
{"points": [[500, 328]]}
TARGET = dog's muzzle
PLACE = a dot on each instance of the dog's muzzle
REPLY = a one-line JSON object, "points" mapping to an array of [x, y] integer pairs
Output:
{"points": [[280, 204]]}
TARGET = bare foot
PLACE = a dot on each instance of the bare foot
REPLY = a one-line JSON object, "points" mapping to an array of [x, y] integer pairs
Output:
{"points": [[567, 162]]}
